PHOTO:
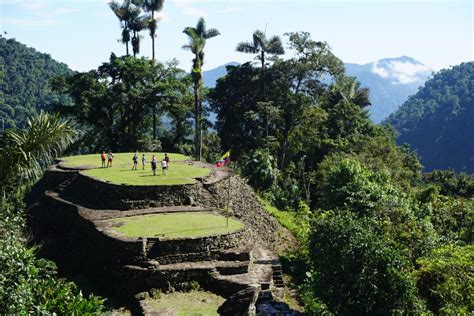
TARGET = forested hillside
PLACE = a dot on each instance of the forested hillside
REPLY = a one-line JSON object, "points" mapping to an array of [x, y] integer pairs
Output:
{"points": [[438, 120], [24, 82]]}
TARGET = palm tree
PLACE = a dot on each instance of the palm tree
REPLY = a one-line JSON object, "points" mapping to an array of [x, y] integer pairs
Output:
{"points": [[197, 41], [124, 12], [137, 24], [152, 23], [261, 46], [349, 90], [24, 154]]}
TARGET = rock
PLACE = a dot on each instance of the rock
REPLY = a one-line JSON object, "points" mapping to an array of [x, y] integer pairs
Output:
{"points": [[239, 303], [142, 296]]}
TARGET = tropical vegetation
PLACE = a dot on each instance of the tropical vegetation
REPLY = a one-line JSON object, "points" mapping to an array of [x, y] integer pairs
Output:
{"points": [[29, 284], [437, 120], [376, 234]]}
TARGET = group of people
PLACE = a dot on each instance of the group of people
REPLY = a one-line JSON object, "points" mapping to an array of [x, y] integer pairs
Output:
{"points": [[154, 163], [109, 157], [164, 163]]}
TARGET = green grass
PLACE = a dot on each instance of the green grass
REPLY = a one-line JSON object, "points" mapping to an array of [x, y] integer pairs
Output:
{"points": [[179, 172], [287, 219], [176, 225], [194, 303]]}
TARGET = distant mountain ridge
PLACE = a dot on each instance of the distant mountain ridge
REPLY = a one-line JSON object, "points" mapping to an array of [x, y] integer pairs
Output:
{"points": [[391, 81], [438, 120]]}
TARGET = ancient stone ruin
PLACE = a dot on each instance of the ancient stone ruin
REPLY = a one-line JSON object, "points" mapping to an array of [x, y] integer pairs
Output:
{"points": [[70, 215]]}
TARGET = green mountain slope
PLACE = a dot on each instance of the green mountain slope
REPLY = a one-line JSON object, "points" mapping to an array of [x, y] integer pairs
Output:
{"points": [[24, 82], [438, 121]]}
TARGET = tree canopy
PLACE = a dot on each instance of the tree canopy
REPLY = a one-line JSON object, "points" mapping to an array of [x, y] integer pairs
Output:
{"points": [[25, 88], [437, 121]]}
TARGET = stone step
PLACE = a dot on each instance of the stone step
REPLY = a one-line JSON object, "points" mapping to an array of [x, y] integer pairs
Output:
{"points": [[223, 267], [235, 254], [234, 268]]}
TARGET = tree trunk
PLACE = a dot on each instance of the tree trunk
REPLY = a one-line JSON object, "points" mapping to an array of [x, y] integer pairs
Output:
{"points": [[126, 45], [263, 59], [197, 132], [200, 128], [153, 38], [154, 122]]}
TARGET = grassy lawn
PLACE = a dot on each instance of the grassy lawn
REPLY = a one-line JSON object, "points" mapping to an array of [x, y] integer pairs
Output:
{"points": [[194, 303], [179, 172], [176, 225]]}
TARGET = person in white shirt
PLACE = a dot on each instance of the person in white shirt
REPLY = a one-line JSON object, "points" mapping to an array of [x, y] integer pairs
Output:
{"points": [[164, 166]]}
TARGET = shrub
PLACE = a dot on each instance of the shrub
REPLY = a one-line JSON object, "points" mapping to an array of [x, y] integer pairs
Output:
{"points": [[446, 280], [357, 270]]}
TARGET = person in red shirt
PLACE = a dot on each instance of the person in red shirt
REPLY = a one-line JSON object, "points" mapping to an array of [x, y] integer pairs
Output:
{"points": [[102, 157]]}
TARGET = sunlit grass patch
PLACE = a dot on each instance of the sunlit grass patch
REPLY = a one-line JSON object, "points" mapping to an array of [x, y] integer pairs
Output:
{"points": [[176, 225], [179, 171]]}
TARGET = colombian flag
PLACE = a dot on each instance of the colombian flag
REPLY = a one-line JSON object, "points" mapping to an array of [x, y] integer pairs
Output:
{"points": [[224, 160]]}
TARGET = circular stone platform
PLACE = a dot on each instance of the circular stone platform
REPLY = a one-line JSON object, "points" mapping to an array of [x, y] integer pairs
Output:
{"points": [[175, 225], [180, 171]]}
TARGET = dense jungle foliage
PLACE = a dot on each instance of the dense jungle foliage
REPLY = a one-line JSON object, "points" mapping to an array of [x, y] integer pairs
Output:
{"points": [[377, 236], [25, 82], [437, 121], [29, 285]]}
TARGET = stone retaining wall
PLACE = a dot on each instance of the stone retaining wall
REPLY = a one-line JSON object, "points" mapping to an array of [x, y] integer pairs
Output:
{"points": [[235, 192], [61, 222], [98, 194]]}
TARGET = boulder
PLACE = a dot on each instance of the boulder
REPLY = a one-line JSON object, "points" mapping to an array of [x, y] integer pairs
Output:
{"points": [[240, 302]]}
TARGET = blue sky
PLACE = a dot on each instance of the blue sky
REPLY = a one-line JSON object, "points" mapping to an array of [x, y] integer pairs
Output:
{"points": [[83, 33]]}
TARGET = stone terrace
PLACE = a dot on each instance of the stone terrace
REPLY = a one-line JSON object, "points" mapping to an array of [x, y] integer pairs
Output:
{"points": [[71, 212]]}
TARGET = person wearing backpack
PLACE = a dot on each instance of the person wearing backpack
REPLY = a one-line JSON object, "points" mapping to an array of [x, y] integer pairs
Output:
{"points": [[135, 161], [153, 165]]}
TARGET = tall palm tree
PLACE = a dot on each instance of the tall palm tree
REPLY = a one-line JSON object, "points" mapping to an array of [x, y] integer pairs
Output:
{"points": [[152, 23], [23, 154], [261, 46], [137, 24], [124, 12], [197, 41]]}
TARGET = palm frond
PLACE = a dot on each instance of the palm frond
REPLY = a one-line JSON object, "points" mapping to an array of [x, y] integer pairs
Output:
{"points": [[259, 39], [24, 154], [201, 27], [275, 46], [246, 47], [191, 32], [212, 33]]}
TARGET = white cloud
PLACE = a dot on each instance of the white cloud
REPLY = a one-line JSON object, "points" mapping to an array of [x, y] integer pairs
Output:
{"points": [[381, 72], [401, 72], [187, 8]]}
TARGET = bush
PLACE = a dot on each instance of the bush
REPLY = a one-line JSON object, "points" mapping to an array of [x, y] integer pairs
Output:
{"points": [[259, 168], [358, 270], [30, 285], [450, 183], [446, 280]]}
